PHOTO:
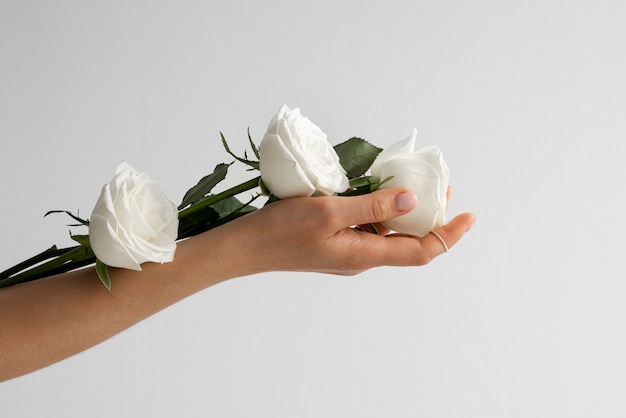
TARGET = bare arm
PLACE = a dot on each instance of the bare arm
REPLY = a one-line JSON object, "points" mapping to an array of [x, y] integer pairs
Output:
{"points": [[45, 321]]}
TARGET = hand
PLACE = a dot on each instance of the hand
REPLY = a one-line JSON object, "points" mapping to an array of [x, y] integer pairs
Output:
{"points": [[72, 312], [319, 234]]}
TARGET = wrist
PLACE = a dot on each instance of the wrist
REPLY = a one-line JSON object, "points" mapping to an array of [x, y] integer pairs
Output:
{"points": [[217, 255]]}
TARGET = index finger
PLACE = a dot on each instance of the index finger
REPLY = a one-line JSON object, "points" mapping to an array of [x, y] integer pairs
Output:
{"points": [[406, 250]]}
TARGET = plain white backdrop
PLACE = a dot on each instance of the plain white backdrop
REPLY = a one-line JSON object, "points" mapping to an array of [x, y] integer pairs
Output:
{"points": [[527, 99]]}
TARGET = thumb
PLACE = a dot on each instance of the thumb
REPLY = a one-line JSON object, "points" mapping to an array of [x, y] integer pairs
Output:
{"points": [[375, 207]]}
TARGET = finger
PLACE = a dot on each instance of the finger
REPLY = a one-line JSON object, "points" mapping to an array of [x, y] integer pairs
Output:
{"points": [[407, 250], [435, 244], [372, 208]]}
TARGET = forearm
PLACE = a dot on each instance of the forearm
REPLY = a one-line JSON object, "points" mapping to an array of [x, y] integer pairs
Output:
{"points": [[45, 321], [48, 320]]}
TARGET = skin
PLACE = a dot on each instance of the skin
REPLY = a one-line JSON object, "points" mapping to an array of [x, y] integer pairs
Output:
{"points": [[48, 320]]}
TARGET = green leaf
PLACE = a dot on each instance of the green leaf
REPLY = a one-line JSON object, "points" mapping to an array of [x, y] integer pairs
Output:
{"points": [[212, 199], [376, 186], [230, 205], [364, 185], [356, 156], [265, 191], [361, 181], [196, 221], [204, 186], [75, 217], [103, 274], [255, 149], [233, 209], [219, 213], [253, 164], [83, 240]]}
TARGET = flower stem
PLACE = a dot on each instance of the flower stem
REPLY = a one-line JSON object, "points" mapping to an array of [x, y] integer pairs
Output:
{"points": [[210, 200], [45, 255], [71, 258], [66, 259]]}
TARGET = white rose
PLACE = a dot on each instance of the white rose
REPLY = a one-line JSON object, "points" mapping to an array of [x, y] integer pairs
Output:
{"points": [[425, 173], [133, 221], [296, 158]]}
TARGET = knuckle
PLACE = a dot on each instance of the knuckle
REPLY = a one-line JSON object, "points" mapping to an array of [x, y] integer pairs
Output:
{"points": [[378, 211], [325, 210], [422, 259]]}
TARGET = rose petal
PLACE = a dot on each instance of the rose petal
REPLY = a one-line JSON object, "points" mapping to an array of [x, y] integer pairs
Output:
{"points": [[425, 173], [133, 221], [411, 172], [407, 145], [108, 247], [280, 170], [305, 163]]}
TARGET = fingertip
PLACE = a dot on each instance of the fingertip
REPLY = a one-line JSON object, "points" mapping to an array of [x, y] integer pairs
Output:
{"points": [[470, 220], [454, 230], [462, 223], [405, 201], [377, 206]]}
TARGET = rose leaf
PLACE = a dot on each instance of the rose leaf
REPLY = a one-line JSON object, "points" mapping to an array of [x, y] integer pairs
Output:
{"points": [[103, 274], [356, 156], [205, 185], [253, 164]]}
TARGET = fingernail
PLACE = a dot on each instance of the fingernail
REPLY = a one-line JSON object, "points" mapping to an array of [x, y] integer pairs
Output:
{"points": [[405, 201]]}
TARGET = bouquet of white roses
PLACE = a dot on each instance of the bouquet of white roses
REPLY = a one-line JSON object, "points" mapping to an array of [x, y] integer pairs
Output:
{"points": [[134, 222]]}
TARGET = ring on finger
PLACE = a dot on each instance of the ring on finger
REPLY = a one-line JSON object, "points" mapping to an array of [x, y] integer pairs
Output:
{"points": [[445, 246]]}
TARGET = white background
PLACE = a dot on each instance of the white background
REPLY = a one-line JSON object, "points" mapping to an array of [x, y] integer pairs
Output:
{"points": [[526, 318]]}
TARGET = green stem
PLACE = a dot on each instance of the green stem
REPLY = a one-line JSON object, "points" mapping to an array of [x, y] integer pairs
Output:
{"points": [[202, 204], [45, 255], [66, 259], [72, 258]]}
